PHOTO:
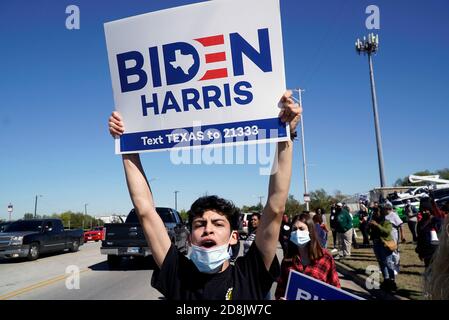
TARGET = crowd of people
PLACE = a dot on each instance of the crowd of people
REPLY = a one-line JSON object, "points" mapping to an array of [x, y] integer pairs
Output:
{"points": [[214, 271], [304, 240], [382, 230]]}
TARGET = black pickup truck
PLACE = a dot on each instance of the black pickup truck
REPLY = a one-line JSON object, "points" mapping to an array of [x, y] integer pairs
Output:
{"points": [[30, 238], [127, 239]]}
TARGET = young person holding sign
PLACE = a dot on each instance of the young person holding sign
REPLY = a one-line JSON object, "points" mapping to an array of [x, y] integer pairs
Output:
{"points": [[207, 273], [305, 255]]}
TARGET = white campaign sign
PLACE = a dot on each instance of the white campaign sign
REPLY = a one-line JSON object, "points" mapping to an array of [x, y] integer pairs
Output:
{"points": [[203, 74]]}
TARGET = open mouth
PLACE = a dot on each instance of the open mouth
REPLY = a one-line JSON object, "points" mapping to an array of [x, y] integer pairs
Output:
{"points": [[208, 243]]}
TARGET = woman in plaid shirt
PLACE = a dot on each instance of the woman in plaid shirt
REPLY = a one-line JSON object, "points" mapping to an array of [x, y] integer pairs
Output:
{"points": [[306, 255]]}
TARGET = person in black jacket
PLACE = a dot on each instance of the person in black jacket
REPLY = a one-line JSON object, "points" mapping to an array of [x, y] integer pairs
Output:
{"points": [[284, 233], [333, 225], [363, 227], [430, 221], [412, 219]]}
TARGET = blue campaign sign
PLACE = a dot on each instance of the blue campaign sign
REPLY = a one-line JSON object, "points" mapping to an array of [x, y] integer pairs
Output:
{"points": [[303, 287], [206, 74]]}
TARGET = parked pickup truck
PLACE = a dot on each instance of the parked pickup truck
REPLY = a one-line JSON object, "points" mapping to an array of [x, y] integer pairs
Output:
{"points": [[30, 238], [4, 226], [127, 239]]}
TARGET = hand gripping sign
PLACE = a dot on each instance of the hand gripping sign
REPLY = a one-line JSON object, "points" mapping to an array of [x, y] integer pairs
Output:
{"points": [[204, 74]]}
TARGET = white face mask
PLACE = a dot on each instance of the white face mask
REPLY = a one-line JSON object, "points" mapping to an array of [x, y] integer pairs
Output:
{"points": [[210, 260], [300, 237]]}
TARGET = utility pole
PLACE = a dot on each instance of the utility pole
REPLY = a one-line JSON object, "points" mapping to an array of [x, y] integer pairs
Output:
{"points": [[10, 208], [176, 200], [370, 47], [85, 213], [304, 162], [260, 201], [35, 205]]}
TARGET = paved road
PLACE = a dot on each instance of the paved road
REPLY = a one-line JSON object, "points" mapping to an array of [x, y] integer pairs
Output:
{"points": [[46, 278]]}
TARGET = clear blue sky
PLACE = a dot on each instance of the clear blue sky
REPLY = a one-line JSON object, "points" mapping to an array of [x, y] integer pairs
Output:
{"points": [[55, 97]]}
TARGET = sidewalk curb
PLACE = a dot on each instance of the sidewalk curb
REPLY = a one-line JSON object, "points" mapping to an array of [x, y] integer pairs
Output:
{"points": [[361, 281]]}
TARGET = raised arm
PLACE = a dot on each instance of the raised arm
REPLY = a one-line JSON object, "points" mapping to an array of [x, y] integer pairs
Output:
{"points": [[142, 199], [270, 222]]}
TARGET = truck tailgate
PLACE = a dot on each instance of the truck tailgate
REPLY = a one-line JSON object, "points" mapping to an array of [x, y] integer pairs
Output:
{"points": [[124, 235]]}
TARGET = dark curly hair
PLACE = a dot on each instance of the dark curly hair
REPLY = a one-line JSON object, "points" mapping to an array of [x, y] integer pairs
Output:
{"points": [[217, 204]]}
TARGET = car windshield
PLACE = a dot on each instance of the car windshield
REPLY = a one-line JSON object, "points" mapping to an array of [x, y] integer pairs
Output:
{"points": [[164, 213], [4, 226], [25, 226]]}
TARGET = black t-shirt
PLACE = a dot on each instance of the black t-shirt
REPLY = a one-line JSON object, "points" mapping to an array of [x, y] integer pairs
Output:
{"points": [[247, 279]]}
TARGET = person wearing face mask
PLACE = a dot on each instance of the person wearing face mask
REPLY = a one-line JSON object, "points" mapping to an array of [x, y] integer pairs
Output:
{"points": [[430, 219], [305, 255], [207, 273], [381, 232]]}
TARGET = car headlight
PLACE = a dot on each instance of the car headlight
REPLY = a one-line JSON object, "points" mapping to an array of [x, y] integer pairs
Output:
{"points": [[16, 240]]}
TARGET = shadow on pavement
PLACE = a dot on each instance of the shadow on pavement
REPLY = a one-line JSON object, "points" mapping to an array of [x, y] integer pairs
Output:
{"points": [[412, 266], [41, 256], [352, 258], [126, 264], [408, 293], [416, 273], [361, 294]]}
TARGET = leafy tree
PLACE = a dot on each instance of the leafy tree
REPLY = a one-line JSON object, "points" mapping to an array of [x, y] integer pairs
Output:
{"points": [[321, 199], [184, 215], [293, 206], [318, 199], [71, 219], [444, 173], [253, 208], [28, 216], [338, 196]]}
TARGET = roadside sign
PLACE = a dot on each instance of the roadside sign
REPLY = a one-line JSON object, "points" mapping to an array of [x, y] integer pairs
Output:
{"points": [[179, 83], [306, 197], [304, 287]]}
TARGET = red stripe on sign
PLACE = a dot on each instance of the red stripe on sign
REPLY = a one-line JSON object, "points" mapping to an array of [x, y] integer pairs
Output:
{"points": [[215, 57], [215, 74], [211, 41]]}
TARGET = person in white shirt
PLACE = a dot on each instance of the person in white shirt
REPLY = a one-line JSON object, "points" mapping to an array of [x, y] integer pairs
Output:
{"points": [[396, 232]]}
